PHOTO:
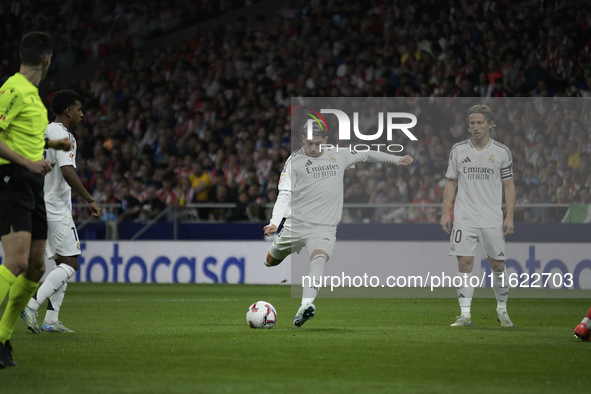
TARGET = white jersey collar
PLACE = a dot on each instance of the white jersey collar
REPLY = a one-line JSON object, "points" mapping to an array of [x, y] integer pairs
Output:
{"points": [[485, 148]]}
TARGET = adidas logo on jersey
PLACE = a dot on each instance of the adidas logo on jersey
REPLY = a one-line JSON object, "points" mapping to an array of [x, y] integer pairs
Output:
{"points": [[308, 163], [501, 254], [467, 160]]}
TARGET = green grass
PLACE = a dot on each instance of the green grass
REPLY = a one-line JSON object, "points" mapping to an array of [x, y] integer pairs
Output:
{"points": [[194, 339]]}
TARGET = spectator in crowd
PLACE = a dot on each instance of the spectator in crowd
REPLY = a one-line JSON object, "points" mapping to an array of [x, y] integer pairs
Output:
{"points": [[130, 206], [167, 193], [422, 213], [200, 181], [221, 197], [110, 213], [238, 214], [584, 196], [152, 205], [356, 194], [529, 176]]}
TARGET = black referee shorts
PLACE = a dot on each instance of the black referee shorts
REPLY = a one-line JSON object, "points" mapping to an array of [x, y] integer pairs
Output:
{"points": [[22, 207]]}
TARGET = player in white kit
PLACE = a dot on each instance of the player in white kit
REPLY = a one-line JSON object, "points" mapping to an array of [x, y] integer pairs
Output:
{"points": [[479, 167], [312, 179], [62, 245]]}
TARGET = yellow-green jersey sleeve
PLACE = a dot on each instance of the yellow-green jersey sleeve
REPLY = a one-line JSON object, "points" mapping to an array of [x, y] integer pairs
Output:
{"points": [[11, 103], [23, 118]]}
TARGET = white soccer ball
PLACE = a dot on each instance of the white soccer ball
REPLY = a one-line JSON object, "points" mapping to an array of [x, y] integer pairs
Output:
{"points": [[261, 315]]}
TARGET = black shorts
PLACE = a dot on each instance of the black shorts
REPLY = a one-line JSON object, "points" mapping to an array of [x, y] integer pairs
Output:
{"points": [[22, 207]]}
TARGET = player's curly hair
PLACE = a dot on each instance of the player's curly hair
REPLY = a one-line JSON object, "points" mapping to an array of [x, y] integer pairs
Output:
{"points": [[34, 47], [62, 100], [317, 131], [484, 110]]}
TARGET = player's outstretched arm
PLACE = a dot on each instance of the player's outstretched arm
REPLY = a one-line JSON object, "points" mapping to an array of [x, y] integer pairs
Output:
{"points": [[40, 167], [449, 193], [406, 160], [508, 225], [279, 209], [64, 144], [373, 156], [73, 180]]}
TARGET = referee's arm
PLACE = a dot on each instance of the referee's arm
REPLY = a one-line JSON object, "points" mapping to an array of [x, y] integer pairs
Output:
{"points": [[40, 167]]}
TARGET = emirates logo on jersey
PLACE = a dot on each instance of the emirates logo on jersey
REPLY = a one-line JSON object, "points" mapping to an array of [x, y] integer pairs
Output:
{"points": [[329, 167], [323, 171], [477, 172]]}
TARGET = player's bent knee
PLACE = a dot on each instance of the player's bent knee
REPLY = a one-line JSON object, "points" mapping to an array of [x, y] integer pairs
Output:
{"points": [[496, 265], [465, 264], [271, 261], [19, 265], [34, 275], [316, 252], [72, 261]]}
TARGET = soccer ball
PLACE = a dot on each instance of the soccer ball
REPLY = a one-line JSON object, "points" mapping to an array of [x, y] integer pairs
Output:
{"points": [[261, 315]]}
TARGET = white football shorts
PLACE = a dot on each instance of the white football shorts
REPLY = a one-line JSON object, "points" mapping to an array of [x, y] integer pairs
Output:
{"points": [[62, 239], [464, 240], [297, 234]]}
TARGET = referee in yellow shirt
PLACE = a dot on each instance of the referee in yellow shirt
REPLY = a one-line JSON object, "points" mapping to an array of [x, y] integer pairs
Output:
{"points": [[23, 223]]}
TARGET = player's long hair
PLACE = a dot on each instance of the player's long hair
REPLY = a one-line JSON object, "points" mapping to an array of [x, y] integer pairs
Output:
{"points": [[484, 110]]}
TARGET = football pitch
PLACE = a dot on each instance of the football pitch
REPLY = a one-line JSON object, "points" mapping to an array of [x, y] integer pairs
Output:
{"points": [[155, 338]]}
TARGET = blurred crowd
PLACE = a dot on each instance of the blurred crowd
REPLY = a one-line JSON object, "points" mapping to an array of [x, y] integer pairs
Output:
{"points": [[91, 29], [208, 120]]}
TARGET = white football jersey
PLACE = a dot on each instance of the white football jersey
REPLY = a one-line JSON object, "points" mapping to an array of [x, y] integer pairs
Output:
{"points": [[58, 194], [316, 183], [480, 176]]}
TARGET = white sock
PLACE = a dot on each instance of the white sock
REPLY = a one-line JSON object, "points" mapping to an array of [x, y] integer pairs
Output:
{"points": [[33, 304], [316, 274], [54, 304], [465, 293], [501, 289], [587, 322], [54, 281]]}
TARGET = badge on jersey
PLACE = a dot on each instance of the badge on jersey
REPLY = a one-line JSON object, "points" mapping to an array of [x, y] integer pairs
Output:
{"points": [[491, 159]]}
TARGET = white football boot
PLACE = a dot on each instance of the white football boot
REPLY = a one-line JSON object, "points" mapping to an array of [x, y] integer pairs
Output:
{"points": [[463, 321], [305, 313]]}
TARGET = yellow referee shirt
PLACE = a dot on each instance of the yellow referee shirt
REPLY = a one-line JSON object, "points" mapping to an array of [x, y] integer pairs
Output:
{"points": [[23, 117]]}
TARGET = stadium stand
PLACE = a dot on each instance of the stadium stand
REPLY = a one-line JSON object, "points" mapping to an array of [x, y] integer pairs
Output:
{"points": [[207, 119]]}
